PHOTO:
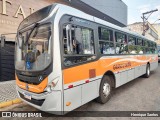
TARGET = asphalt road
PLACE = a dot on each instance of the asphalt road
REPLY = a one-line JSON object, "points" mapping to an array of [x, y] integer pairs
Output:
{"points": [[140, 94]]}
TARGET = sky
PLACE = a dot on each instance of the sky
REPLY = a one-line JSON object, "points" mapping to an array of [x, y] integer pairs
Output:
{"points": [[137, 7]]}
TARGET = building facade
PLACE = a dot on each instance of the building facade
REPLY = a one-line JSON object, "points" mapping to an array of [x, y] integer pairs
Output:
{"points": [[151, 33], [14, 11], [157, 27]]}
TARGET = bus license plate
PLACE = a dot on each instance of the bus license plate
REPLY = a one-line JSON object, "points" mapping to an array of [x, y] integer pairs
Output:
{"points": [[28, 96]]}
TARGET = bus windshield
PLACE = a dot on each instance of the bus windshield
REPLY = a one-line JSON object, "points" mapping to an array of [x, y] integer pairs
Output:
{"points": [[33, 49]]}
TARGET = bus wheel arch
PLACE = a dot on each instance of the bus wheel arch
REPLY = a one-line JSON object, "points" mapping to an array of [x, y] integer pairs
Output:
{"points": [[111, 74]]}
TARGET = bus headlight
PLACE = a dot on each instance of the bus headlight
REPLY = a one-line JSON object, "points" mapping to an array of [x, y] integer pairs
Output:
{"points": [[52, 85]]}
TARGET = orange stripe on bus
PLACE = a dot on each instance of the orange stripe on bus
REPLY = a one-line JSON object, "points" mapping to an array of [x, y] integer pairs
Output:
{"points": [[81, 72]]}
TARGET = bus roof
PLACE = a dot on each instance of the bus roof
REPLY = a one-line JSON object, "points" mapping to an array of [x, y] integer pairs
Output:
{"points": [[64, 9], [81, 14]]}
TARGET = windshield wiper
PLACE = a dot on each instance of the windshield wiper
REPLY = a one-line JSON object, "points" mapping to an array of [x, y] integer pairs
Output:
{"points": [[31, 33]]}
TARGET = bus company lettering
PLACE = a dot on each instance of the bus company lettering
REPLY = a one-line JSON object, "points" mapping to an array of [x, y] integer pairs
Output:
{"points": [[122, 65]]}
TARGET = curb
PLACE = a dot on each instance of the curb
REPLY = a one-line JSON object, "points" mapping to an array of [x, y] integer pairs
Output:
{"points": [[9, 103]]}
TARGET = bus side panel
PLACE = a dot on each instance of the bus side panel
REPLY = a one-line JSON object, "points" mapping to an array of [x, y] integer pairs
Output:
{"points": [[137, 71], [72, 98], [131, 74], [53, 102], [77, 96], [118, 79], [154, 65], [124, 76], [90, 91]]}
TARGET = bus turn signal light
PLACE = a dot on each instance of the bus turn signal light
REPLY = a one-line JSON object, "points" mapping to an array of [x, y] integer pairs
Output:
{"points": [[68, 103]]}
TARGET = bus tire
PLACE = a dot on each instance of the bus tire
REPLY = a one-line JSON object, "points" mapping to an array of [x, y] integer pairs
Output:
{"points": [[105, 90], [147, 74]]}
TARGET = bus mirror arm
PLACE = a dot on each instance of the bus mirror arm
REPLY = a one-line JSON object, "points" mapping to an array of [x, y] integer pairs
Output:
{"points": [[31, 32], [20, 42]]}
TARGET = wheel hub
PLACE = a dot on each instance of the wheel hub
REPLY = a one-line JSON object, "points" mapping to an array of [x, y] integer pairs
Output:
{"points": [[106, 89]]}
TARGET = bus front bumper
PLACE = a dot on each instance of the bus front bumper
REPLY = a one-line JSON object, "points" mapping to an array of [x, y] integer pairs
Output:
{"points": [[48, 102]]}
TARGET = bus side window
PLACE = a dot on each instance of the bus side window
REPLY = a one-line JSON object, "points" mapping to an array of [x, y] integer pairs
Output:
{"points": [[139, 47], [106, 44], [121, 43], [78, 44], [143, 46], [155, 48], [131, 45]]}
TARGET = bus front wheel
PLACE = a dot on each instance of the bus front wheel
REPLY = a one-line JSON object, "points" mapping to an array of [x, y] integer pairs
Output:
{"points": [[105, 90]]}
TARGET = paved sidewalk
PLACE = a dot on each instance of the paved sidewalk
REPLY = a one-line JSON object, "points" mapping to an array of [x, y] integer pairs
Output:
{"points": [[8, 93]]}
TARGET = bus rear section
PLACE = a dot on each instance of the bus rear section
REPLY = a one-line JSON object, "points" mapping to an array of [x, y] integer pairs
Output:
{"points": [[66, 58]]}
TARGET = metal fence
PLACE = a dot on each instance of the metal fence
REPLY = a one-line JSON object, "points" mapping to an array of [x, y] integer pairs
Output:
{"points": [[7, 69]]}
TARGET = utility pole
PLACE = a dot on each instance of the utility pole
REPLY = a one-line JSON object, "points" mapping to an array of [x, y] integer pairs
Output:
{"points": [[145, 20]]}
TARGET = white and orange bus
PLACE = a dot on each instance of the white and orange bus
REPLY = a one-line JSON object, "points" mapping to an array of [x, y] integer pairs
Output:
{"points": [[66, 58]]}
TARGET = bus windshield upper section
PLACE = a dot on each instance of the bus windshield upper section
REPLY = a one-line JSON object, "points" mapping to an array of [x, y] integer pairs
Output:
{"points": [[33, 49], [36, 16]]}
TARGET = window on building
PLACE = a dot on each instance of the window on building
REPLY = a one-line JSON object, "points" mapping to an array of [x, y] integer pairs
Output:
{"points": [[106, 43], [78, 44]]}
